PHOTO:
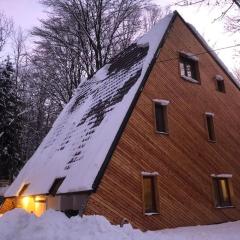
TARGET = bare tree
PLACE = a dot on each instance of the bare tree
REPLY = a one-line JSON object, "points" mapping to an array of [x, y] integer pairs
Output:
{"points": [[20, 56], [230, 10], [151, 15], [6, 26], [95, 29], [80, 36]]}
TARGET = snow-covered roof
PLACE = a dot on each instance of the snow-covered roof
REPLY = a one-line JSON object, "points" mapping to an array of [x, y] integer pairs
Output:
{"points": [[82, 135], [81, 138]]}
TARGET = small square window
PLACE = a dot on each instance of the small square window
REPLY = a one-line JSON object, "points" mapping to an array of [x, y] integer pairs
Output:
{"points": [[222, 191], [150, 194], [189, 67], [220, 84], [160, 112], [210, 127]]}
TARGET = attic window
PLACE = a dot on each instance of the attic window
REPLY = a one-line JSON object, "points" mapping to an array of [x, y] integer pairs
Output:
{"points": [[160, 112], [223, 192], [210, 127], [23, 189], [189, 67], [220, 83], [150, 194], [55, 186]]}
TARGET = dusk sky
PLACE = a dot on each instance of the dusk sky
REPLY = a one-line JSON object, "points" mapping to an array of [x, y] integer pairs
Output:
{"points": [[26, 13]]}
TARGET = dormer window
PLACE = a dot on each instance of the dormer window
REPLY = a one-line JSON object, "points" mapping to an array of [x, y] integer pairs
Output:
{"points": [[189, 67], [23, 189], [220, 83], [55, 186]]}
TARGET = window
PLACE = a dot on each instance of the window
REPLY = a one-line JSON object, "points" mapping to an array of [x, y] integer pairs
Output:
{"points": [[160, 110], [210, 127], [150, 194], [222, 191], [189, 67], [220, 83], [55, 186]]}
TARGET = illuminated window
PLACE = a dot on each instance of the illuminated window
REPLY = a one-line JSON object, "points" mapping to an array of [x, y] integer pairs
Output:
{"points": [[150, 194], [55, 186], [210, 127], [222, 191], [160, 110], [189, 67]]}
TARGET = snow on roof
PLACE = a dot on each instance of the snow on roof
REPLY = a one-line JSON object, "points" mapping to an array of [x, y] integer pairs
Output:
{"points": [[79, 141]]}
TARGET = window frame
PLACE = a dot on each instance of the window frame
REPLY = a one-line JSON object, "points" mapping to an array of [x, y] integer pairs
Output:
{"points": [[164, 104], [220, 79], [194, 61], [218, 191], [210, 131], [154, 178]]}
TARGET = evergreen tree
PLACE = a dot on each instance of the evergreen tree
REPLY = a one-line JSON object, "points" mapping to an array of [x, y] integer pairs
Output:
{"points": [[10, 124]]}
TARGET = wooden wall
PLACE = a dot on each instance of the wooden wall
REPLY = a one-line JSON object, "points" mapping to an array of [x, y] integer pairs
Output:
{"points": [[184, 159]]}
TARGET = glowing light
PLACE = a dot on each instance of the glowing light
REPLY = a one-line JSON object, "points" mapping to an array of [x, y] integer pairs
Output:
{"points": [[25, 202], [40, 199]]}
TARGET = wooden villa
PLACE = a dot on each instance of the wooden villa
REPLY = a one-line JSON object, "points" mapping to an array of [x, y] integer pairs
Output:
{"points": [[151, 139]]}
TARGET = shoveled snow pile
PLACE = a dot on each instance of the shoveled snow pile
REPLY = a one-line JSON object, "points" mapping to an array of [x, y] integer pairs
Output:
{"points": [[19, 225]]}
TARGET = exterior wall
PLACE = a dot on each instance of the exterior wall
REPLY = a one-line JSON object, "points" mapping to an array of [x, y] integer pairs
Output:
{"points": [[7, 205], [66, 202], [184, 159]]}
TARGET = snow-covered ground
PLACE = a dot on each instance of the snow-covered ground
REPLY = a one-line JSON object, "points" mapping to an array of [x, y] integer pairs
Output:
{"points": [[19, 225]]}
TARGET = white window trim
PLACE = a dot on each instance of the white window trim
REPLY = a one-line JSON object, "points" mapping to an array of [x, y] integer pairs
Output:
{"points": [[161, 101], [219, 78], [150, 173], [189, 55], [209, 114], [223, 175]]}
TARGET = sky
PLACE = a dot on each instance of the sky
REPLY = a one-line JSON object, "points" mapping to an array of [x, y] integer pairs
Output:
{"points": [[26, 13]]}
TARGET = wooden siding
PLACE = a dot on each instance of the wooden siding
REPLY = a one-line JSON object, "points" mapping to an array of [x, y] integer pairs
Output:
{"points": [[7, 205], [184, 158]]}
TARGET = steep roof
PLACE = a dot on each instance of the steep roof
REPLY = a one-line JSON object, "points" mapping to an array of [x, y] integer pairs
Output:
{"points": [[83, 137]]}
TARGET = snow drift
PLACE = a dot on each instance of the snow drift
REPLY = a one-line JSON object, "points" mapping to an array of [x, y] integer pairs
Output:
{"points": [[53, 225]]}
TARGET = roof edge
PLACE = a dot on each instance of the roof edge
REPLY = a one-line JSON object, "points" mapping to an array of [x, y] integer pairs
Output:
{"points": [[207, 47], [108, 157]]}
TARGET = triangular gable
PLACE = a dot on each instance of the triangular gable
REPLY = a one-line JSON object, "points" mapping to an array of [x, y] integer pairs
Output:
{"points": [[83, 136]]}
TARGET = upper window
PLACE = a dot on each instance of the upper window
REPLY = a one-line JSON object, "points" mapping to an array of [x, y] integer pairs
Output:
{"points": [[220, 83], [189, 67], [210, 127], [222, 191], [150, 193], [160, 110]]}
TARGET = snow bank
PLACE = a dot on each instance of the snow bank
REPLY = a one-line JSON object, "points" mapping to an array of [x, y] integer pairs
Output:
{"points": [[19, 225]]}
